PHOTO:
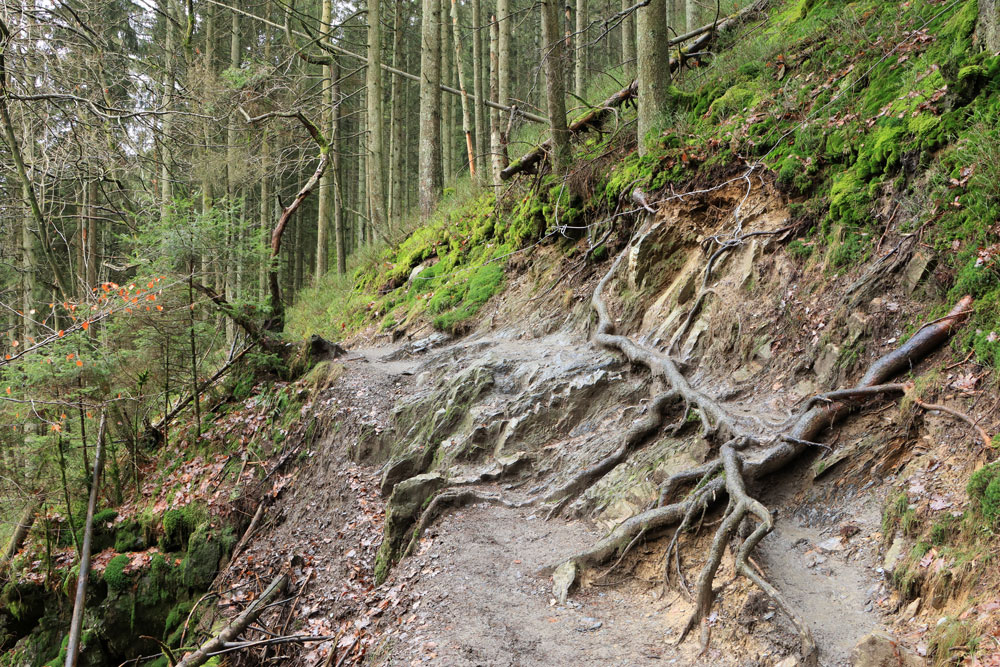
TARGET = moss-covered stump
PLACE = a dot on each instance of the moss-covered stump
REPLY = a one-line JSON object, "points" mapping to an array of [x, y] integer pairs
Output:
{"points": [[408, 499]]}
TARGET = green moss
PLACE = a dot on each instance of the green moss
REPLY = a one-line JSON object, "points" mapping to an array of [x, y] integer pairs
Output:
{"points": [[735, 99], [206, 549], [984, 493], [178, 524], [115, 576]]}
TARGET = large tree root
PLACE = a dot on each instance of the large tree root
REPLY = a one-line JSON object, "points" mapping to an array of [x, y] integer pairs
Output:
{"points": [[450, 498], [746, 455]]}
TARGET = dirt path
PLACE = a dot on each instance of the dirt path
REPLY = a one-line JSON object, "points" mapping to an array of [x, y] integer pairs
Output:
{"points": [[483, 604]]}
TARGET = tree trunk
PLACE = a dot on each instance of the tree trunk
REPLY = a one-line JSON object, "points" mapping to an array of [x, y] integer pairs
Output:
{"points": [[448, 74], [376, 133], [399, 111], [325, 191], [628, 42], [498, 155], [229, 263], [653, 69], [466, 120], [76, 625], [555, 86], [691, 13], [479, 109], [336, 169], [429, 148], [581, 53]]}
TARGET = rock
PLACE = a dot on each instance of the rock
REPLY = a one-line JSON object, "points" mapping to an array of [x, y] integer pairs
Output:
{"points": [[408, 500], [826, 363], [562, 580], [879, 649], [589, 625], [911, 610], [831, 545], [916, 270], [856, 325], [788, 661], [892, 555]]}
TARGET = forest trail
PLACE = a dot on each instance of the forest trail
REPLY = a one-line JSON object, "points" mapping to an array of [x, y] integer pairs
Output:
{"points": [[471, 594]]}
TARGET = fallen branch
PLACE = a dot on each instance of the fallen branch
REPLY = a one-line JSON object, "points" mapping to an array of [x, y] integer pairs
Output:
{"points": [[21, 531], [167, 418], [239, 624]]}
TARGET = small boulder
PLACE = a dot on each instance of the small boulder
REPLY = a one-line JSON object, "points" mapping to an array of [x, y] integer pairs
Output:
{"points": [[879, 649]]}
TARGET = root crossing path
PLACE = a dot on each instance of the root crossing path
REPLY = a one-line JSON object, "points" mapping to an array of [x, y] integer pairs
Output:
{"points": [[579, 497]]}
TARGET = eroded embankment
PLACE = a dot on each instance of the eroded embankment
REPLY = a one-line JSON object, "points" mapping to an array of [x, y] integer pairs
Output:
{"points": [[554, 441]]}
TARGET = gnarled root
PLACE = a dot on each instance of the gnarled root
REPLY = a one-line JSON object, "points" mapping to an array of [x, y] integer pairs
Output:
{"points": [[818, 414], [450, 498], [641, 430], [741, 505]]}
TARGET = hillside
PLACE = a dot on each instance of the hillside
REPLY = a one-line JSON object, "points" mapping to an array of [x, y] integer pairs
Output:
{"points": [[725, 398]]}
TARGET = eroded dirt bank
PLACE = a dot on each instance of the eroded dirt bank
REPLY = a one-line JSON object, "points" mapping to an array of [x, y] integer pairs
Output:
{"points": [[481, 444]]}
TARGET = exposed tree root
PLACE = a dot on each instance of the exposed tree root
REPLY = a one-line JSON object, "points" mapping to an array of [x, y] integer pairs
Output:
{"points": [[647, 425], [746, 455], [450, 498]]}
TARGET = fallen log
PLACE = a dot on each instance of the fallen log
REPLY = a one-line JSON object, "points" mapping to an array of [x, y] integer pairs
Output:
{"points": [[224, 639]]}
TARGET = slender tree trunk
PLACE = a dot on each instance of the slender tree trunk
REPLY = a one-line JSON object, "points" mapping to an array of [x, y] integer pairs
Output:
{"points": [[90, 234], [477, 85], [76, 625], [581, 53], [336, 171], [503, 94], [466, 120], [429, 149], [497, 150], [229, 263], [653, 69], [325, 190], [398, 114], [628, 42], [376, 131], [691, 13], [555, 86], [166, 191], [448, 74]]}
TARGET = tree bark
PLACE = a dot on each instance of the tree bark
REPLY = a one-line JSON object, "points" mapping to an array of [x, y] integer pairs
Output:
{"points": [[76, 625], [479, 109], [466, 121], [398, 101], [653, 69], [376, 133], [429, 148], [325, 190], [498, 155], [555, 85], [628, 42], [581, 53]]}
